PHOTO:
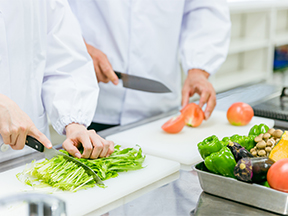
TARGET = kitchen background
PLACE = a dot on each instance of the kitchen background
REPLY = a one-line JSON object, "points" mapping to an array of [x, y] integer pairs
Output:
{"points": [[258, 50], [257, 62]]}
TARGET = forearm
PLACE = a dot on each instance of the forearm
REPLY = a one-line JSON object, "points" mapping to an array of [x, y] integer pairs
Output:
{"points": [[205, 35]]}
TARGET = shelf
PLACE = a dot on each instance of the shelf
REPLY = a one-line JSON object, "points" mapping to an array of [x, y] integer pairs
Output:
{"points": [[241, 6], [242, 45], [236, 78], [250, 56], [281, 27], [281, 39]]}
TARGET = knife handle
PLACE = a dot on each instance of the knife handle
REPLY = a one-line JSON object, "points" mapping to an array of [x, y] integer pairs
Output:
{"points": [[118, 74], [34, 143]]}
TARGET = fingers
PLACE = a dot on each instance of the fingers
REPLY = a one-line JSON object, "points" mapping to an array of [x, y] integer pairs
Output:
{"points": [[102, 66], [186, 94], [94, 145], [34, 132], [87, 145], [69, 146], [108, 72], [111, 148], [185, 98], [106, 146], [204, 96], [197, 82], [210, 106], [14, 137], [101, 147], [19, 142], [208, 97], [6, 137], [99, 75], [97, 144]]}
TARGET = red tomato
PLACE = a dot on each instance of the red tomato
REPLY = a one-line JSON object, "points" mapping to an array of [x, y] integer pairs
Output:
{"points": [[174, 125], [240, 114], [277, 175], [194, 115]]}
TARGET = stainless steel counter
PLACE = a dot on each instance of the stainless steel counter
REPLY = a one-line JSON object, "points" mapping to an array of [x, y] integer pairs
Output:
{"points": [[183, 196]]}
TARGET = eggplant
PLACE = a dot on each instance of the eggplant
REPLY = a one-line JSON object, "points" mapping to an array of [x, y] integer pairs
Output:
{"points": [[238, 151], [252, 169]]}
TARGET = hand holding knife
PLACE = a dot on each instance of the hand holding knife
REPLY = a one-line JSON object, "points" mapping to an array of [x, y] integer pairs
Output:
{"points": [[52, 152], [104, 73]]}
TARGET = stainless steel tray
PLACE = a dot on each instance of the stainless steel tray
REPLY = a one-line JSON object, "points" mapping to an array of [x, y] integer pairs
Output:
{"points": [[251, 194]]}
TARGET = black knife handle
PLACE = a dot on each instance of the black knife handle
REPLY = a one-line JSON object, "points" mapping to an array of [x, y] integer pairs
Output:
{"points": [[118, 74], [34, 143]]}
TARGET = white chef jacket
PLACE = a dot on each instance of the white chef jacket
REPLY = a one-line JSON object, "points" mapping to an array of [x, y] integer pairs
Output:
{"points": [[152, 38], [44, 64]]}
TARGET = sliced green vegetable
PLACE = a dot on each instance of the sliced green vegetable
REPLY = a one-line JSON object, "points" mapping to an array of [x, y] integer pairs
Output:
{"points": [[56, 172], [59, 173]]}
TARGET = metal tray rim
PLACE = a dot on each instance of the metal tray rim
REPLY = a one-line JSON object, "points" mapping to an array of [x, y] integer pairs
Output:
{"points": [[271, 199], [235, 180]]}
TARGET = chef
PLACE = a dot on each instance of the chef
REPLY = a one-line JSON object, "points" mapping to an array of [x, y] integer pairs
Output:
{"points": [[45, 69], [153, 39]]}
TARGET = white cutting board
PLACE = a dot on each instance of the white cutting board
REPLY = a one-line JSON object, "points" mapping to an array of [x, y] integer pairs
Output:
{"points": [[120, 190], [182, 147]]}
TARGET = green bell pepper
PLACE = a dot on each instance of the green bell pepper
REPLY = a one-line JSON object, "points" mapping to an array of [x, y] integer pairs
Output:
{"points": [[266, 184], [221, 162], [225, 141], [248, 142], [208, 146], [258, 129], [245, 141]]}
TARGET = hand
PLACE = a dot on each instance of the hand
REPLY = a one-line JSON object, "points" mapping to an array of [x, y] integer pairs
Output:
{"points": [[94, 145], [103, 69], [197, 82], [15, 125]]}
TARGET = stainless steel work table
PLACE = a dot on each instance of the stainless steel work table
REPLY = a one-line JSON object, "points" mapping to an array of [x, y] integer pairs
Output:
{"points": [[183, 196]]}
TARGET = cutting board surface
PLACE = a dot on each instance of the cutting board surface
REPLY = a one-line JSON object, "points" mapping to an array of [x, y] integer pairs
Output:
{"points": [[182, 147], [85, 201]]}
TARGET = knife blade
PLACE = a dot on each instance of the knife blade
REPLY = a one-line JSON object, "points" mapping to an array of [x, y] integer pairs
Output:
{"points": [[141, 83], [50, 153]]}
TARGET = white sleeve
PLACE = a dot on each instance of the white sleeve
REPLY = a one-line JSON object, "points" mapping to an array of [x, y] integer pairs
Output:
{"points": [[70, 89], [205, 34]]}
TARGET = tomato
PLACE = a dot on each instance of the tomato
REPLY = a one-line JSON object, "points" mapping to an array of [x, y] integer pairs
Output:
{"points": [[174, 125], [240, 114], [277, 175], [194, 115]]}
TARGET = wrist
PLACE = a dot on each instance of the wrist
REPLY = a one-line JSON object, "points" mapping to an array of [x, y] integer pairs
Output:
{"points": [[197, 72], [72, 127]]}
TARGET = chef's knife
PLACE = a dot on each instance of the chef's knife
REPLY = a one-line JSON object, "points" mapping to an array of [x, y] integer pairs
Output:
{"points": [[52, 152], [142, 84]]}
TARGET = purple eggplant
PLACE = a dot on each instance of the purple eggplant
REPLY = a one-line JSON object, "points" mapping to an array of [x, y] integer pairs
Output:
{"points": [[252, 169], [238, 151]]}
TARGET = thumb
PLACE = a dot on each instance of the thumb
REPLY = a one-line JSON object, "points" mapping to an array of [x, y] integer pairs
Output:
{"points": [[34, 132], [71, 148]]}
